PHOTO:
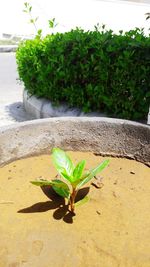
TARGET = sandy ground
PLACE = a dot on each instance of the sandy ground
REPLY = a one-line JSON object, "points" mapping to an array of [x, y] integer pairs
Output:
{"points": [[111, 230]]}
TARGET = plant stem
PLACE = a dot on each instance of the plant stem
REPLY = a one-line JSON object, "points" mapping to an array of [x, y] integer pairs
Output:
{"points": [[33, 21], [72, 199]]}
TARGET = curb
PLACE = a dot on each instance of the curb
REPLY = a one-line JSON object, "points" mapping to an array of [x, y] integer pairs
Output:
{"points": [[148, 119], [43, 108], [8, 48]]}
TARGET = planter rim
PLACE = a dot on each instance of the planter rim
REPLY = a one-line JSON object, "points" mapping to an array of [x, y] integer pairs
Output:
{"points": [[73, 119], [104, 136]]}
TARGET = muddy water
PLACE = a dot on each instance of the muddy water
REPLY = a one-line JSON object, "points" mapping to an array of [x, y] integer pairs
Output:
{"points": [[111, 230]]}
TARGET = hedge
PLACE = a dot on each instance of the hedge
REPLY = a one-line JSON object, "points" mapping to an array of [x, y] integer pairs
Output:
{"points": [[94, 70]]}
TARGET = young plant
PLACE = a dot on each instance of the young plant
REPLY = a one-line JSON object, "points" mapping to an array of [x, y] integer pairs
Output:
{"points": [[73, 177], [28, 9]]}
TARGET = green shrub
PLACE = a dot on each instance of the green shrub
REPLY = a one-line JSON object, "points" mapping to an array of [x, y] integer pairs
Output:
{"points": [[97, 71]]}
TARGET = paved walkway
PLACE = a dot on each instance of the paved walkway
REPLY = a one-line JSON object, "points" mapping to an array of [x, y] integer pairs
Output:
{"points": [[11, 107]]}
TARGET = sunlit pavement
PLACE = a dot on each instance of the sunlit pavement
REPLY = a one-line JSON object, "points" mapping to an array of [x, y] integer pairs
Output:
{"points": [[11, 108]]}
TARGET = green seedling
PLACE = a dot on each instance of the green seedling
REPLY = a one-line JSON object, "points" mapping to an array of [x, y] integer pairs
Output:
{"points": [[73, 177]]}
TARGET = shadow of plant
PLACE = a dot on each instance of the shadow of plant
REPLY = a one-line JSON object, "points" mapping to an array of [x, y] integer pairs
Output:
{"points": [[56, 203]]}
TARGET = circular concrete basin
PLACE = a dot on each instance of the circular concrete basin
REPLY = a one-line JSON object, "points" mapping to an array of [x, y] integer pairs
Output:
{"points": [[112, 229], [104, 136]]}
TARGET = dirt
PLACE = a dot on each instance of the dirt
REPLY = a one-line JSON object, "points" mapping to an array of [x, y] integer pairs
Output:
{"points": [[111, 230]]}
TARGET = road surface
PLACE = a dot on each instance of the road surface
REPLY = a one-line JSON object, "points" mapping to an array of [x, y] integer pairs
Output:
{"points": [[11, 89]]}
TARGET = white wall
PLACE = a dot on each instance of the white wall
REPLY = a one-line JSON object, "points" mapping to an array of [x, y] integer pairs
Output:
{"points": [[71, 13]]}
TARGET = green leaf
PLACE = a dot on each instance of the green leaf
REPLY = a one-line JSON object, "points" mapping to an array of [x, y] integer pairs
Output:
{"points": [[85, 175], [41, 182], [67, 177], [82, 201], [93, 172], [39, 31], [31, 20], [77, 173], [61, 192], [62, 163], [148, 15], [51, 23], [61, 188], [26, 4]]}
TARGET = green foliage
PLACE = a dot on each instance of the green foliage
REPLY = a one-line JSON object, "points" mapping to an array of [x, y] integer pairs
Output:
{"points": [[63, 163], [73, 176], [52, 23], [94, 70]]}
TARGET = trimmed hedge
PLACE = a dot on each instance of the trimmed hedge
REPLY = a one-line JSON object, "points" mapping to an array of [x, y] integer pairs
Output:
{"points": [[97, 71]]}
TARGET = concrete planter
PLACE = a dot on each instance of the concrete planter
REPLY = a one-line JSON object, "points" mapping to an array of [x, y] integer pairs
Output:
{"points": [[148, 119], [38, 229], [43, 108], [104, 136]]}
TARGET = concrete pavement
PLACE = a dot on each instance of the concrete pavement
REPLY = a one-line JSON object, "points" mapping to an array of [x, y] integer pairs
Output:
{"points": [[11, 90]]}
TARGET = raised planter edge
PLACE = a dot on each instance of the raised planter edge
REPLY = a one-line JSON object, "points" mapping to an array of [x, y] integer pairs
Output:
{"points": [[104, 136]]}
